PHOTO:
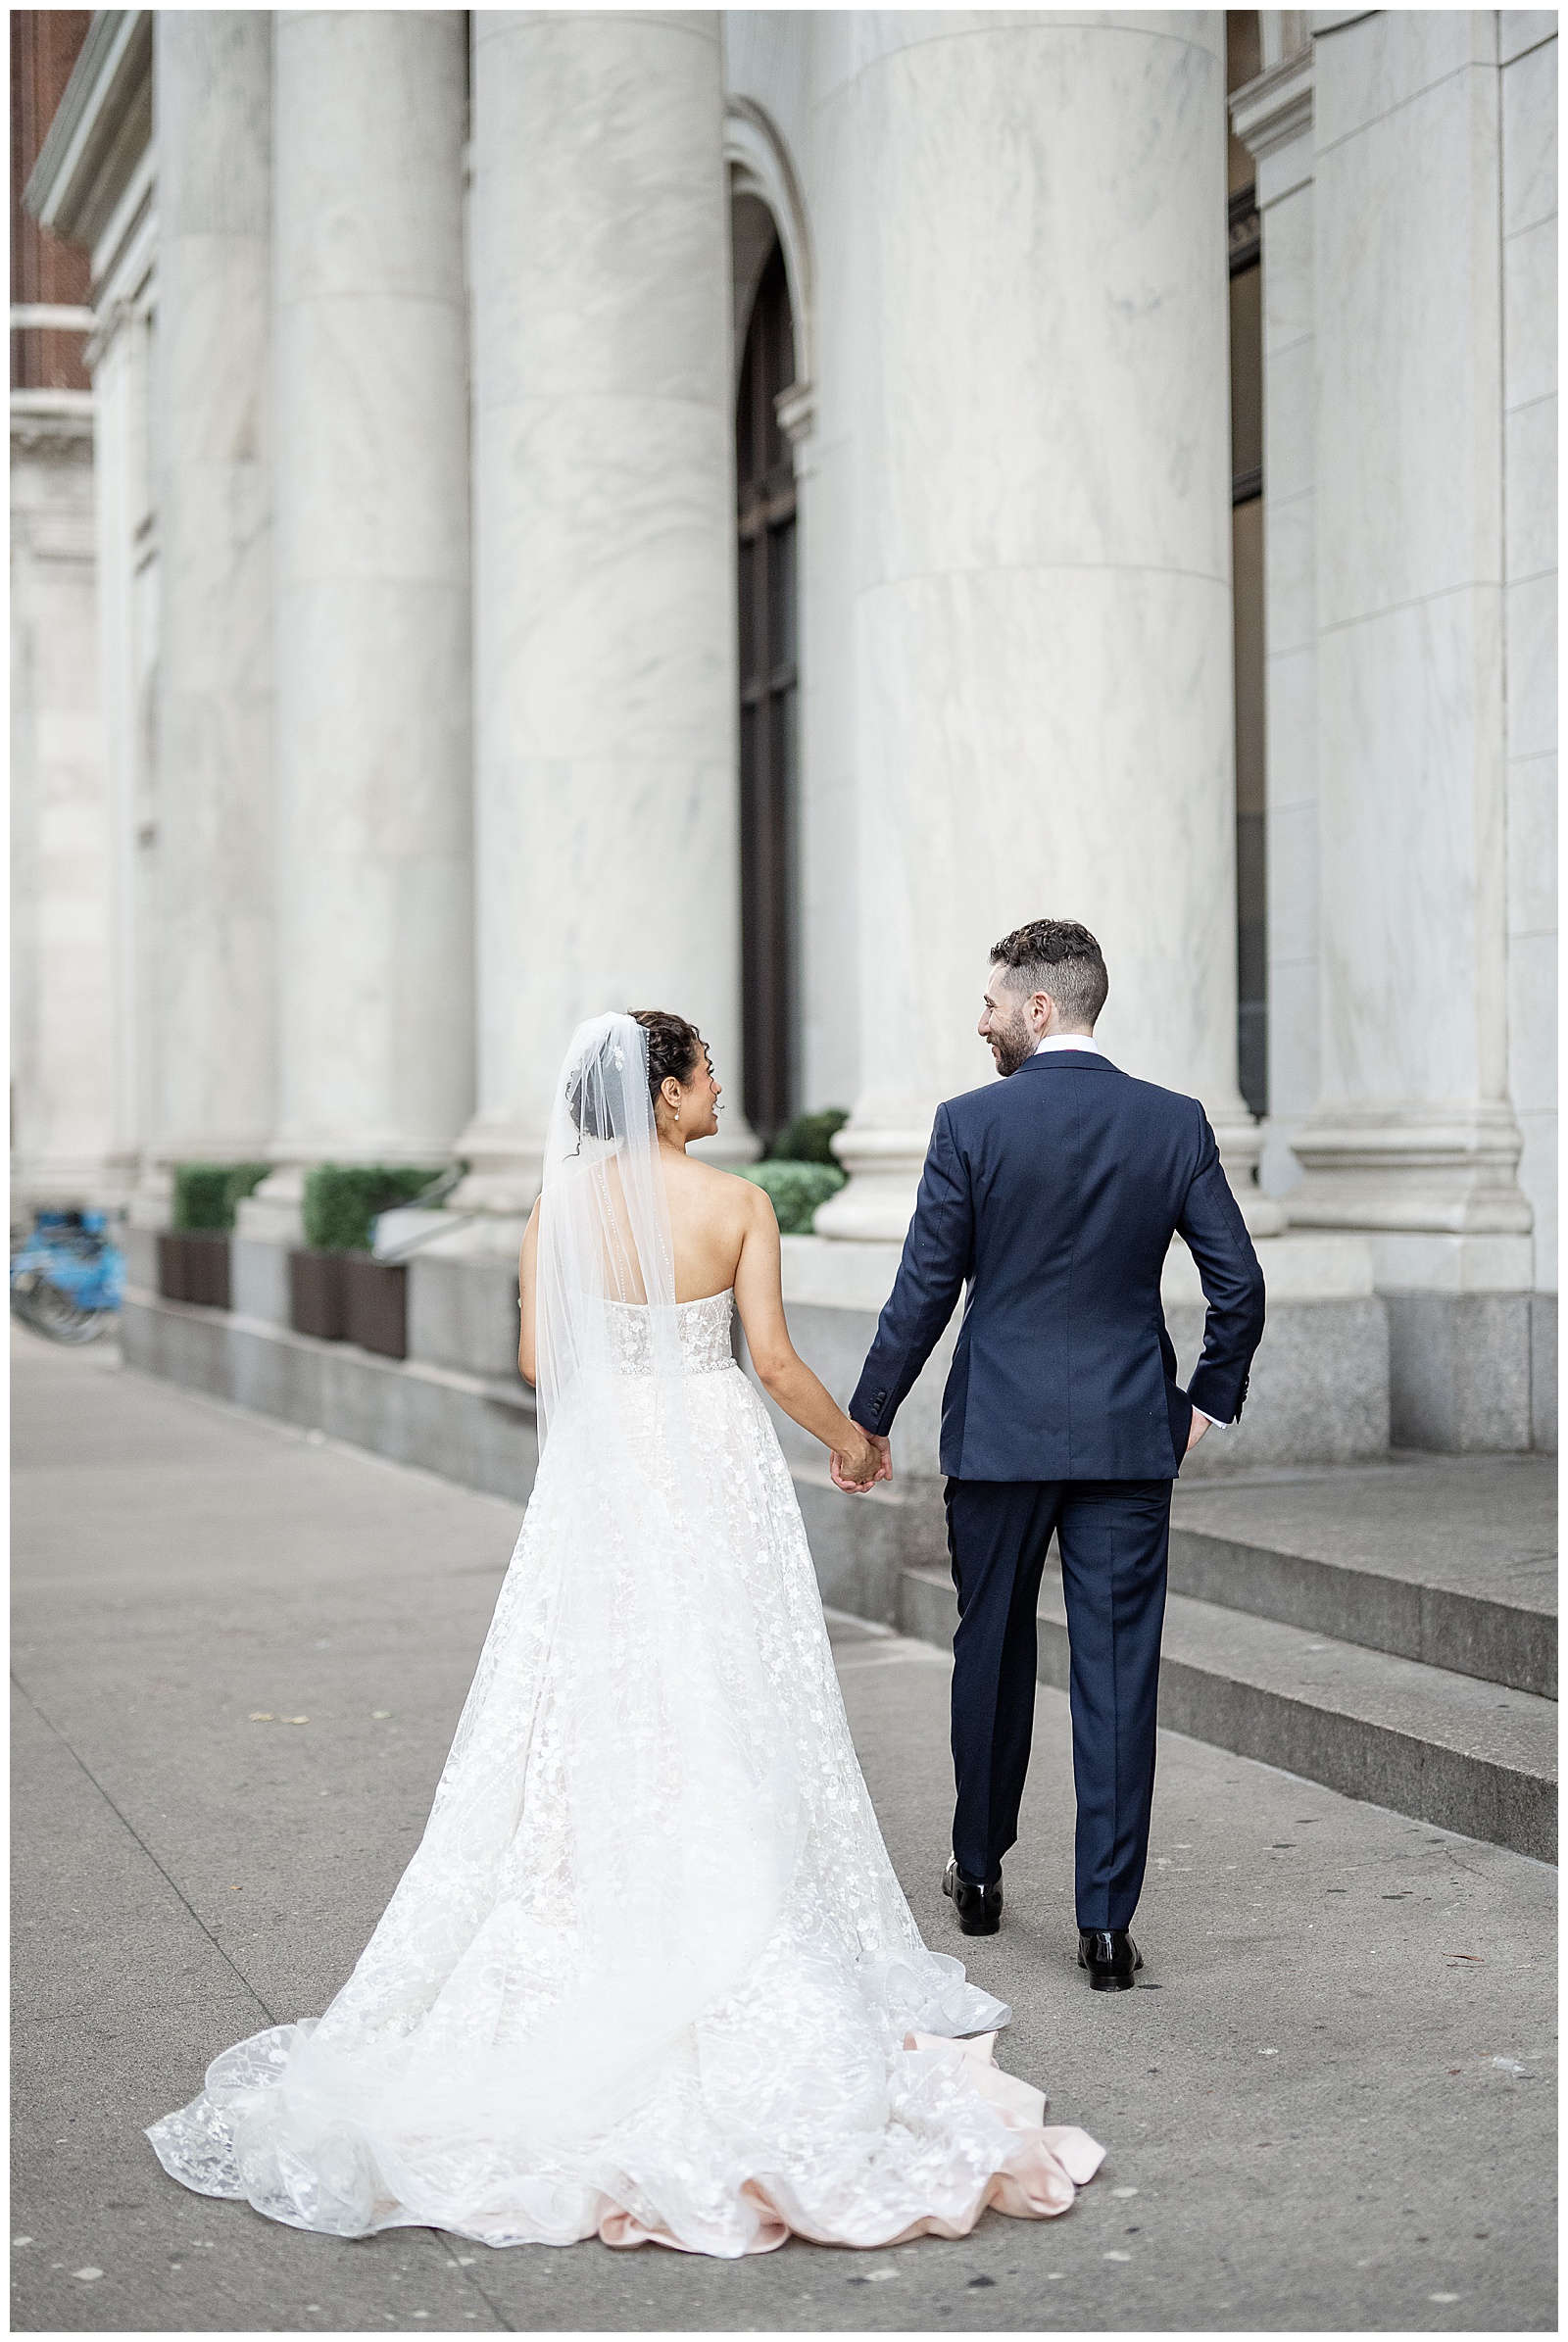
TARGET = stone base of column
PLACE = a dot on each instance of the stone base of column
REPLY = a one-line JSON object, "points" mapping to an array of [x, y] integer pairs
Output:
{"points": [[74, 1183], [1240, 1140], [276, 1213], [152, 1202], [1436, 1187], [884, 1168], [505, 1164], [1433, 1193], [506, 1167]]}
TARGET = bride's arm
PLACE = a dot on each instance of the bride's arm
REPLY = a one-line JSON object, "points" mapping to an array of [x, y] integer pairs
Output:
{"points": [[783, 1375], [527, 1291]]}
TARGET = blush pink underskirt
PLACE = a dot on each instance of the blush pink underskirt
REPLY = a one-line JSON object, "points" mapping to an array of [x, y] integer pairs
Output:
{"points": [[1037, 2181]]}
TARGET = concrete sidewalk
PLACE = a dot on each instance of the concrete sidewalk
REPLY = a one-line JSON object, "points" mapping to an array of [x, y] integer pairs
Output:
{"points": [[1331, 2106]]}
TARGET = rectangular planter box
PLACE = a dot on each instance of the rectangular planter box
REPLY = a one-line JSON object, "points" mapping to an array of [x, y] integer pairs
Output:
{"points": [[317, 1297], [376, 1304], [193, 1266]]}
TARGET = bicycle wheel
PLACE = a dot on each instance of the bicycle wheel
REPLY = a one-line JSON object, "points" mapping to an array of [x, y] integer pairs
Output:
{"points": [[53, 1312]]}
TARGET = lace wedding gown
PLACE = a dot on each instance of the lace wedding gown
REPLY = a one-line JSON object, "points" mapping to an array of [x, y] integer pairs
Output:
{"points": [[650, 1975]]}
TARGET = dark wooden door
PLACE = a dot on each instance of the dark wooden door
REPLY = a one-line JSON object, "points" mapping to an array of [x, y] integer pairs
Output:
{"points": [[770, 712]]}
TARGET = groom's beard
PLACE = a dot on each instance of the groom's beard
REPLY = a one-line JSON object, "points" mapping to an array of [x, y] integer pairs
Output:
{"points": [[1014, 1046]]}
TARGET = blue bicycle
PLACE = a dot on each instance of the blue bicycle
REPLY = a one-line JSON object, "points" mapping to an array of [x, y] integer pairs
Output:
{"points": [[66, 1276]]}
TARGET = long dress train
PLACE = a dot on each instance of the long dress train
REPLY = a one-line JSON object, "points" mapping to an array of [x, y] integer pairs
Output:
{"points": [[650, 1973]]}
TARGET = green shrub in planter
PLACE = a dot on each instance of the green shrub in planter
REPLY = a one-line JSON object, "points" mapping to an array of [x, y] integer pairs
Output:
{"points": [[796, 1190], [805, 1140], [206, 1193], [341, 1200]]}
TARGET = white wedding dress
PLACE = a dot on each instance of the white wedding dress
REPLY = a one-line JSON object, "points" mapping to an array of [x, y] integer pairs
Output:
{"points": [[650, 1975]]}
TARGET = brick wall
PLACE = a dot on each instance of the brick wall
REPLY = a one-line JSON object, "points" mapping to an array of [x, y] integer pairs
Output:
{"points": [[45, 44]]}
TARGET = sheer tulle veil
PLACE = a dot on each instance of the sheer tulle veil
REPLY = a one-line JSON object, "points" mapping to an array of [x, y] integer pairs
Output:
{"points": [[603, 1224]]}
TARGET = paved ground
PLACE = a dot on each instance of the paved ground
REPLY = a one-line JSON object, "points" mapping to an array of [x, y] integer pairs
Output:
{"points": [[1331, 2106]]}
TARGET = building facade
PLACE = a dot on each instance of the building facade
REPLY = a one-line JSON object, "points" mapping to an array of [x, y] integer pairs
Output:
{"points": [[735, 513]]}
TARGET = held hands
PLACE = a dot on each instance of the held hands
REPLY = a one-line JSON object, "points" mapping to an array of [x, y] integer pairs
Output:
{"points": [[857, 1469]]}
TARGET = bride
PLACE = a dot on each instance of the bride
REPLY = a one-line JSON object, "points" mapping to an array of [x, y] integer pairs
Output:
{"points": [[649, 1975]]}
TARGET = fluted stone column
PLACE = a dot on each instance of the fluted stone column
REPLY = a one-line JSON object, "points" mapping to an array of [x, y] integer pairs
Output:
{"points": [[374, 782], [214, 1049], [1044, 612], [604, 517]]}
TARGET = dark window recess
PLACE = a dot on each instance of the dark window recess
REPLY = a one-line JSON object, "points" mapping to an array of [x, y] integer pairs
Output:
{"points": [[1247, 572], [1245, 229], [765, 471]]}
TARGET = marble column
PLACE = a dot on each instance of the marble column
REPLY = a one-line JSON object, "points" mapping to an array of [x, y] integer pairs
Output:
{"points": [[604, 519], [214, 1049], [1414, 1137], [64, 1145], [374, 788], [1043, 609]]}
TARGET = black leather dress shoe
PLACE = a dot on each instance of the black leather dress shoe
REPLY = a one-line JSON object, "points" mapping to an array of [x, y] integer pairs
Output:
{"points": [[979, 1908], [1111, 1956]]}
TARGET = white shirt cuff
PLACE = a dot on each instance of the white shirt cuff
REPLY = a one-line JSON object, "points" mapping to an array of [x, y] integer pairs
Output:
{"points": [[1213, 1421]]}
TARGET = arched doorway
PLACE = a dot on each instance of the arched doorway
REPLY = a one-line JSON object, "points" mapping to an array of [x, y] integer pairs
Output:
{"points": [[769, 695]]}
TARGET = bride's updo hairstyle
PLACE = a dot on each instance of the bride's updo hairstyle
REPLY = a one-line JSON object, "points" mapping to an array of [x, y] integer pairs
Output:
{"points": [[674, 1048], [594, 1084]]}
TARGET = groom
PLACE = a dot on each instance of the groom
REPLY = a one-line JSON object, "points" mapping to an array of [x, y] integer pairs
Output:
{"points": [[1052, 1196]]}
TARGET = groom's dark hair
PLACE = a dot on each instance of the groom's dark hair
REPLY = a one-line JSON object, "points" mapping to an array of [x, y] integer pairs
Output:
{"points": [[1060, 957]]}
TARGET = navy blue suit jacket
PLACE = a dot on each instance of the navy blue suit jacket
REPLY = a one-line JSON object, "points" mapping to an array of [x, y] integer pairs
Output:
{"points": [[1054, 1197]]}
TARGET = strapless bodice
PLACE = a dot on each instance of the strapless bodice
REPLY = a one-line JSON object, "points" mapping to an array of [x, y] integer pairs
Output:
{"points": [[704, 1337]]}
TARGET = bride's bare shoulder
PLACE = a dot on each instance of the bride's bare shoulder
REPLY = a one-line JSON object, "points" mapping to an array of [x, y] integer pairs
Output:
{"points": [[723, 1196], [727, 1187]]}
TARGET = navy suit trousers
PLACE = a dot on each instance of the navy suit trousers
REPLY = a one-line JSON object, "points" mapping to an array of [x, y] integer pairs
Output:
{"points": [[1114, 1536]]}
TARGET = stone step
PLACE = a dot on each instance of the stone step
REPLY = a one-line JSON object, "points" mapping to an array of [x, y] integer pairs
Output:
{"points": [[1442, 1746], [1447, 1560]]}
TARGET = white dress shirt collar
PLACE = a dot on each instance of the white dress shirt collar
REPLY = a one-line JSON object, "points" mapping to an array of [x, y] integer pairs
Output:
{"points": [[1068, 1041]]}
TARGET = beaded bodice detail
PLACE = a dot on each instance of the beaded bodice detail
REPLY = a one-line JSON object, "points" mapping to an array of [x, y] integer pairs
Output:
{"points": [[705, 1335]]}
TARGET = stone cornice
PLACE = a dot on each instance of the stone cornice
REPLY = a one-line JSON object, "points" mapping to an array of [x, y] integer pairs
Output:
{"points": [[102, 127], [51, 414], [1269, 113]]}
